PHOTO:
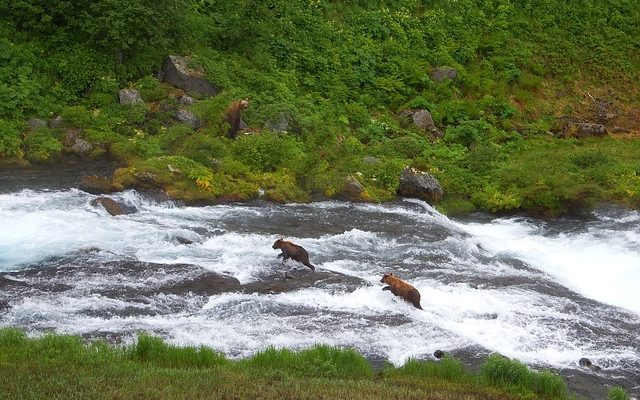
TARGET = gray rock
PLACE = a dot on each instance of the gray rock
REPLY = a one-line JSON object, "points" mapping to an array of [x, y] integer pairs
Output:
{"points": [[185, 100], [187, 117], [81, 147], [177, 73], [352, 188], [584, 129], [441, 73], [370, 160], [279, 124], [420, 185], [56, 122], [36, 123], [422, 119], [129, 96]]}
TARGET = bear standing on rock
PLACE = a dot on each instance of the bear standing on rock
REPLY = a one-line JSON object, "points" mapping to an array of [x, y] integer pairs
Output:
{"points": [[402, 289], [233, 116], [293, 251]]}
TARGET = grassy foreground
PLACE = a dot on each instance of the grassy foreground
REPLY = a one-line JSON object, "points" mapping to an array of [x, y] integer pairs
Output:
{"points": [[66, 367]]}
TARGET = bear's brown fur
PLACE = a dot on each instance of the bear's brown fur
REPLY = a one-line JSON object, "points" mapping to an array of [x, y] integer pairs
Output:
{"points": [[293, 251], [233, 116], [402, 289]]}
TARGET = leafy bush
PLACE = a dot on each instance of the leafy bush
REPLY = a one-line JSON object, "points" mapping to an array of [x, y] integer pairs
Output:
{"points": [[10, 140], [268, 152], [41, 145]]}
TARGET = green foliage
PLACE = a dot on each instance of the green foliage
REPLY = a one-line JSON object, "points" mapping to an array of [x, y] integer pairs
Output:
{"points": [[617, 393], [268, 152], [154, 350], [41, 145], [503, 372], [10, 139], [151, 89], [448, 368], [318, 361]]}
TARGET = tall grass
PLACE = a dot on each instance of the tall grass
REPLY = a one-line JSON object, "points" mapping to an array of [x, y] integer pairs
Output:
{"points": [[510, 374], [448, 369], [617, 393]]}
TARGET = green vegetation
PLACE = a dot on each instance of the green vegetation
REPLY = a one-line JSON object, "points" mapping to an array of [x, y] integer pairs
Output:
{"points": [[617, 393], [328, 83], [65, 367]]}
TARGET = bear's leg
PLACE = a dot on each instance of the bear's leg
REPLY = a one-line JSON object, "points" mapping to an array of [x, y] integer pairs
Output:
{"points": [[386, 288]]}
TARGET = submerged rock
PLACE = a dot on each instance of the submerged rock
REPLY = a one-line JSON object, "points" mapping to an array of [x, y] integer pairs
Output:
{"points": [[299, 278]]}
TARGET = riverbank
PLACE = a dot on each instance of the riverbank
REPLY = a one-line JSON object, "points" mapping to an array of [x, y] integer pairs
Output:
{"points": [[57, 366]]}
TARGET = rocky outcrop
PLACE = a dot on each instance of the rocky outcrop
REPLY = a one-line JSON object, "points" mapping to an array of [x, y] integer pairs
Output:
{"points": [[110, 205], [295, 279], [130, 96], [175, 71], [421, 119], [81, 147], [420, 185], [95, 184], [36, 123], [584, 129], [353, 189], [442, 73], [188, 118]]}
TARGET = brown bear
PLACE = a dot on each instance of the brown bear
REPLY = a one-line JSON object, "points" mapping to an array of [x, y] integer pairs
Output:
{"points": [[293, 251], [233, 116], [401, 289]]}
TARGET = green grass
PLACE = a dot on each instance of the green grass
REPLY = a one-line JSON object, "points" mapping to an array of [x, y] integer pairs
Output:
{"points": [[67, 367], [617, 393]]}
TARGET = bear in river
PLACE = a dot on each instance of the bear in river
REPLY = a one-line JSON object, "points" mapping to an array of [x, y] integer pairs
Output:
{"points": [[293, 251], [402, 289]]}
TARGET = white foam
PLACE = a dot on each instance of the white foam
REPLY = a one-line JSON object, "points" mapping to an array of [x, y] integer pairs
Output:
{"points": [[597, 264]]}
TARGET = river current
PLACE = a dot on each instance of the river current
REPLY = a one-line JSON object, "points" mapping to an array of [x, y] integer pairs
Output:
{"points": [[546, 292]]}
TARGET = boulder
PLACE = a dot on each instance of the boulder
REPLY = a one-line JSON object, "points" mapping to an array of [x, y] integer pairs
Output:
{"points": [[420, 185], [56, 122], [185, 100], [370, 160], [129, 96], [81, 147], [441, 73], [279, 124], [353, 190], [422, 119], [188, 118], [36, 123], [176, 72], [110, 205], [97, 185], [584, 129]]}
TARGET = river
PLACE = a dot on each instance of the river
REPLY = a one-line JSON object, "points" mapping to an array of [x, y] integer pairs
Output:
{"points": [[546, 292]]}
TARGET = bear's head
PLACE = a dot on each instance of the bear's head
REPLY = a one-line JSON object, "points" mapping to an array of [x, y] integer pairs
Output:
{"points": [[278, 244], [386, 277]]}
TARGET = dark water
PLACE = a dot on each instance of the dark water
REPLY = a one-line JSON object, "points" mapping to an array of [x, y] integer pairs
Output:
{"points": [[544, 292]]}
